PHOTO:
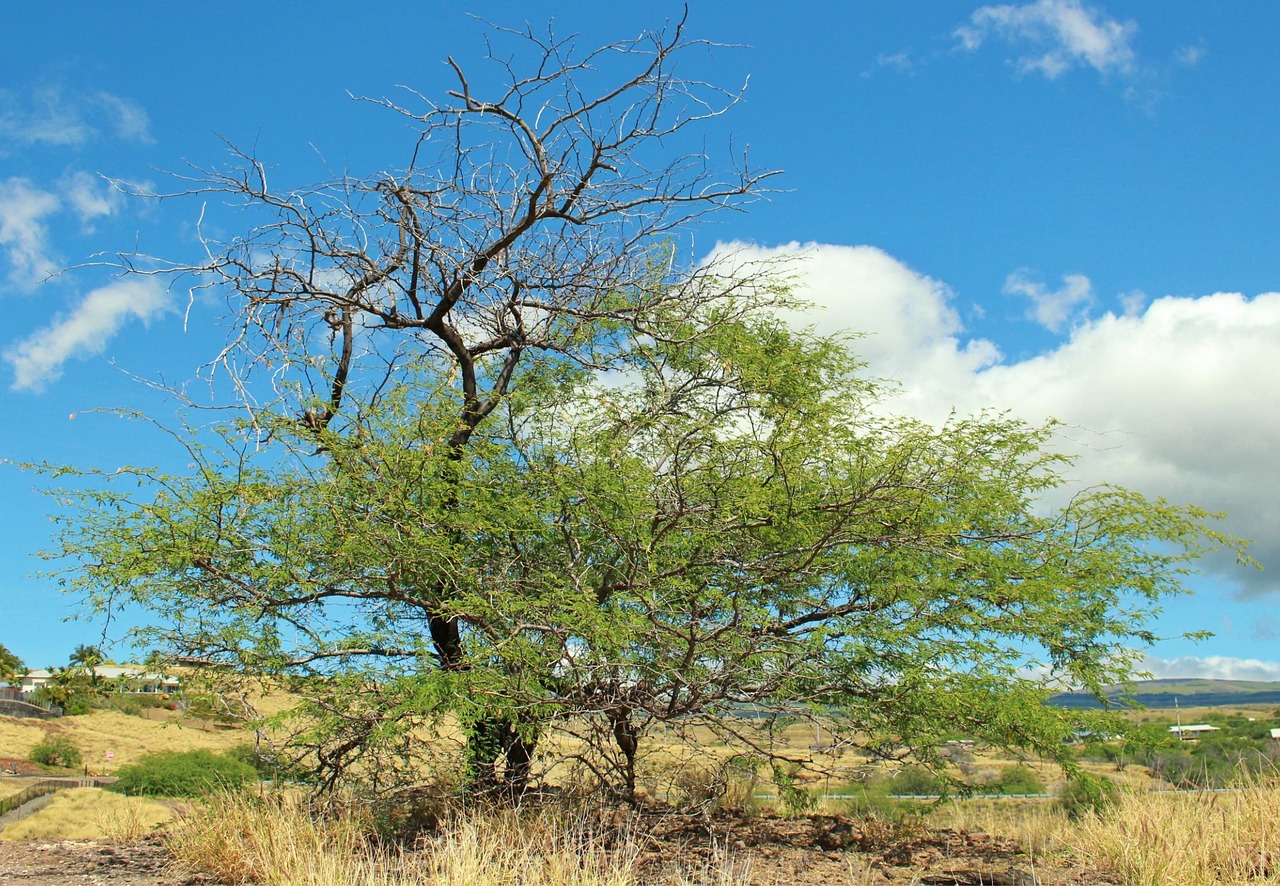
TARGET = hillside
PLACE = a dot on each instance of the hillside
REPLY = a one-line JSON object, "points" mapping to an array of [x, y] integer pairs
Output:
{"points": [[110, 739], [1168, 693]]}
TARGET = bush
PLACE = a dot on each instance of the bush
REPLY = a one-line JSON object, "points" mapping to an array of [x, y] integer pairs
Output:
{"points": [[57, 751], [1018, 779], [916, 781], [1085, 793], [183, 774], [125, 704]]}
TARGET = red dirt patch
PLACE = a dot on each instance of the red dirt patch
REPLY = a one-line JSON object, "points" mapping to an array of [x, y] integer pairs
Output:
{"points": [[24, 767]]}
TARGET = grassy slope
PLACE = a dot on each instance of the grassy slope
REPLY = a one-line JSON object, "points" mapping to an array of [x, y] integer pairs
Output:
{"points": [[126, 737]]}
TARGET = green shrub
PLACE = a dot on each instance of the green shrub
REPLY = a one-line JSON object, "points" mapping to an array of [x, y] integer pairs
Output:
{"points": [[916, 781], [1018, 779], [125, 704], [1085, 793], [183, 774], [57, 750]]}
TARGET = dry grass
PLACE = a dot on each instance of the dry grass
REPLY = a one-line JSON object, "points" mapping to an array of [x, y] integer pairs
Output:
{"points": [[275, 840], [1038, 826], [9, 787], [126, 737], [1188, 839], [90, 814]]}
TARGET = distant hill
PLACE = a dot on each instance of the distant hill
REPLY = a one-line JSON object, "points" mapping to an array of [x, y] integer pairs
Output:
{"points": [[1187, 693]]}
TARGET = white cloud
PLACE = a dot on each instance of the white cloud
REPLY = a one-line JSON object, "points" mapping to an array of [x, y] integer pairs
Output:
{"points": [[1189, 55], [1061, 34], [42, 117], [128, 118], [48, 116], [1052, 308], [1180, 398], [83, 331], [24, 234], [1212, 667], [910, 326], [89, 196], [902, 62]]}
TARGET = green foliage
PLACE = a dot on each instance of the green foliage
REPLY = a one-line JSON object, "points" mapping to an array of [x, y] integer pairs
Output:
{"points": [[795, 799], [1017, 779], [11, 667], [58, 751], [916, 781], [766, 535], [1215, 761], [183, 774], [1085, 793]]}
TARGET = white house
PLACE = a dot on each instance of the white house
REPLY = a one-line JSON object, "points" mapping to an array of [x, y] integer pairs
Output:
{"points": [[131, 679], [1191, 733]]}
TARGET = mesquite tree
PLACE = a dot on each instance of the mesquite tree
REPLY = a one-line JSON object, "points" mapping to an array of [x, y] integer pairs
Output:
{"points": [[528, 228], [505, 467]]}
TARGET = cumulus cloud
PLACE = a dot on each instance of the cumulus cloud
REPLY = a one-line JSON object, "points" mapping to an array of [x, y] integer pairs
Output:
{"points": [[1212, 667], [1059, 34], [1052, 308], [909, 326], [1180, 398], [49, 116], [84, 330], [24, 233]]}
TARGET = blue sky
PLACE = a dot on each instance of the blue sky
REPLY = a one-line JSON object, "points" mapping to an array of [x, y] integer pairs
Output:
{"points": [[1059, 208]]}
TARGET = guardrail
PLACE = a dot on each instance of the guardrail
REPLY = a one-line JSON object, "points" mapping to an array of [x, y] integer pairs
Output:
{"points": [[47, 786]]}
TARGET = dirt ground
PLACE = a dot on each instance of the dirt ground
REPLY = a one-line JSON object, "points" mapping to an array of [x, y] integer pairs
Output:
{"points": [[144, 863], [763, 851]]}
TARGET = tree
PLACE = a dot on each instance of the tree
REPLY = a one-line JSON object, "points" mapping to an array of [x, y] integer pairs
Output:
{"points": [[504, 465], [11, 667], [76, 687]]}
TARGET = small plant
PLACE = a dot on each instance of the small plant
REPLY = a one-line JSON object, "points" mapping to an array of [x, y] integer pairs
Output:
{"points": [[1085, 794], [183, 774], [57, 750], [795, 799]]}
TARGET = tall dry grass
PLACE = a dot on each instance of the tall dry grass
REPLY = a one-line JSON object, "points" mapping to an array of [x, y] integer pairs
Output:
{"points": [[275, 840], [1188, 839], [1039, 826], [91, 814]]}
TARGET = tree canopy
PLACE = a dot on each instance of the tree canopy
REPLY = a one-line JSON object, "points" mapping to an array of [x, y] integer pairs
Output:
{"points": [[10, 666], [507, 470]]}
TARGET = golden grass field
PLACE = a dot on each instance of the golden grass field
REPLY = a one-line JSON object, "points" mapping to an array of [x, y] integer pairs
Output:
{"points": [[9, 787], [91, 814], [109, 739]]}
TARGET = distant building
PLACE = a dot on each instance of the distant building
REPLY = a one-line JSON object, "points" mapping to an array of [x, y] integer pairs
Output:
{"points": [[1191, 733], [129, 679]]}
